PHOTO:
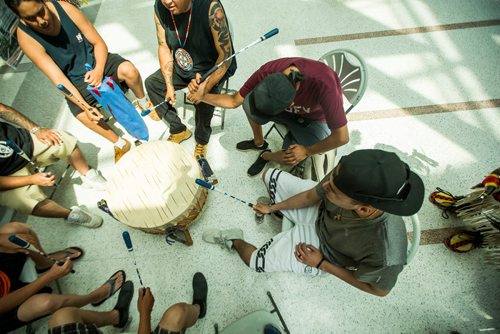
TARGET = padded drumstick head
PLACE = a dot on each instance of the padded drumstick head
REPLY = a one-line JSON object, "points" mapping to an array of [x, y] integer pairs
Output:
{"points": [[63, 89], [204, 184], [20, 242], [13, 146], [127, 240], [270, 33]]}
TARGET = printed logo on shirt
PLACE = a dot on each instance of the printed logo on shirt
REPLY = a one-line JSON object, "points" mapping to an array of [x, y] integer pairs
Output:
{"points": [[79, 38], [298, 109], [5, 151]]}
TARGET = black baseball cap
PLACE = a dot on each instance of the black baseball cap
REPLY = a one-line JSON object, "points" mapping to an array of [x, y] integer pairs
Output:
{"points": [[382, 180], [269, 98]]}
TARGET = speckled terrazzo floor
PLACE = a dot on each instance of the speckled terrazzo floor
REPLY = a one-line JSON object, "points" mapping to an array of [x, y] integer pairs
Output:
{"points": [[439, 292]]}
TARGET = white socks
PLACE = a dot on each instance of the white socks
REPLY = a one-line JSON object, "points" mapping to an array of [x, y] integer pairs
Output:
{"points": [[120, 143], [143, 103]]}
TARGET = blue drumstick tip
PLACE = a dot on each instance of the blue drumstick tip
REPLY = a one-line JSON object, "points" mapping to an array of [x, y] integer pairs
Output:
{"points": [[204, 184], [127, 240], [18, 241]]}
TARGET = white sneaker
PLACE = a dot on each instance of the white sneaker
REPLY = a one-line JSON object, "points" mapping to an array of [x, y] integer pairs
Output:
{"points": [[94, 180], [224, 238], [79, 216]]}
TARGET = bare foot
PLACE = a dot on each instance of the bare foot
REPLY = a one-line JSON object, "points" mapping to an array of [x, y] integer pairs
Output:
{"points": [[113, 284]]}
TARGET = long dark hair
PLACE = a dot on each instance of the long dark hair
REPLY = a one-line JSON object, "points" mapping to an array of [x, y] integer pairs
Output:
{"points": [[13, 4]]}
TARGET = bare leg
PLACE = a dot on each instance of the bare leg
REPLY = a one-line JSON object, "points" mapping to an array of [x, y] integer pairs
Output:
{"points": [[49, 208], [100, 128], [180, 316], [128, 72], [258, 137], [77, 160], [43, 304], [70, 315], [244, 250]]}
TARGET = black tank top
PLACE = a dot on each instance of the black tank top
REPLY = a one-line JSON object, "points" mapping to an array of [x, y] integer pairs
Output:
{"points": [[200, 43], [70, 50]]}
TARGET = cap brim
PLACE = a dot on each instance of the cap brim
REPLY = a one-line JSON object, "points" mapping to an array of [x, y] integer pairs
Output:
{"points": [[413, 202], [252, 112]]}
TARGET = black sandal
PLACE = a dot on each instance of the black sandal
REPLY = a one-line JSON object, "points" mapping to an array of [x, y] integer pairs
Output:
{"points": [[112, 282], [68, 252], [123, 303]]}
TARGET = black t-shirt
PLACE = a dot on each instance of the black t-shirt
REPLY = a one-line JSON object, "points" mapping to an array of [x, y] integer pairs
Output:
{"points": [[200, 43], [10, 161]]}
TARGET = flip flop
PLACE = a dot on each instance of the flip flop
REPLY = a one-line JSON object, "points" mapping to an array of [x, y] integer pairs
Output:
{"points": [[68, 252], [112, 281], [123, 303]]}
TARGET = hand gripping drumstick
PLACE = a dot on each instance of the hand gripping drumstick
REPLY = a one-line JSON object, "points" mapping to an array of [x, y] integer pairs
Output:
{"points": [[212, 187], [26, 245], [130, 248], [66, 92], [213, 69], [21, 153], [260, 39]]}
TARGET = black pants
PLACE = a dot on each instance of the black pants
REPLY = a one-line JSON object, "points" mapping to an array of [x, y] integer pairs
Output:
{"points": [[156, 88]]}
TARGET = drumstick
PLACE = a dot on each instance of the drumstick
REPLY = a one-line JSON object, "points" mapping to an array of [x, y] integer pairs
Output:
{"points": [[212, 187], [147, 111], [26, 245], [262, 38], [130, 248], [21, 153], [66, 92]]}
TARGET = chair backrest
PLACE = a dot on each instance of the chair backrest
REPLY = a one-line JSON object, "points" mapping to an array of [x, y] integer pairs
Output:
{"points": [[351, 70], [413, 247]]}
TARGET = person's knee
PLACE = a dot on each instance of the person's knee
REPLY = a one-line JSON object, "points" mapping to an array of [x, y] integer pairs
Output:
{"points": [[37, 306], [174, 317], [65, 315], [128, 71]]}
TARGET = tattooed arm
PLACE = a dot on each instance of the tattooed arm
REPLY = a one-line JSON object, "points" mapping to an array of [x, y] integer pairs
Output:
{"points": [[46, 136], [13, 116], [166, 60], [222, 41]]}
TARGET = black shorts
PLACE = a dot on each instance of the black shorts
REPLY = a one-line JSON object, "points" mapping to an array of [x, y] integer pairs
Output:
{"points": [[110, 70], [12, 266], [75, 328]]}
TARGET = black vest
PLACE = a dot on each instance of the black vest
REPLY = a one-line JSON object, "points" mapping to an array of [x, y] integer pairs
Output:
{"points": [[70, 50], [200, 43], [10, 161]]}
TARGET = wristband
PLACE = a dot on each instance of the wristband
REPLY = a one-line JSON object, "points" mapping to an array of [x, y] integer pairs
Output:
{"points": [[34, 130], [320, 262]]}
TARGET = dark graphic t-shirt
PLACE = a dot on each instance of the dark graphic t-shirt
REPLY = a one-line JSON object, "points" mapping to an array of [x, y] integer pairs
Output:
{"points": [[10, 161], [320, 93]]}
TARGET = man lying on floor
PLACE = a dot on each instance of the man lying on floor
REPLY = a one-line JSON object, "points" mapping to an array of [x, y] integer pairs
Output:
{"points": [[348, 224]]}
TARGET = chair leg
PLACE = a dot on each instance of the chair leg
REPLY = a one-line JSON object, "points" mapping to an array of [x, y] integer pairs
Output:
{"points": [[223, 116], [276, 309], [269, 131]]}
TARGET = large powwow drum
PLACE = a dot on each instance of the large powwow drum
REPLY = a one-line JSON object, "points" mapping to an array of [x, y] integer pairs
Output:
{"points": [[153, 188]]}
